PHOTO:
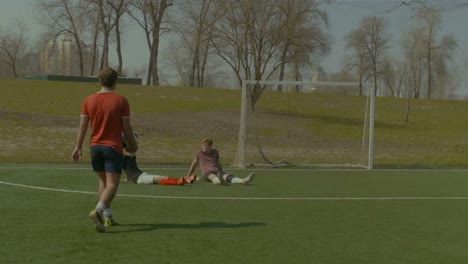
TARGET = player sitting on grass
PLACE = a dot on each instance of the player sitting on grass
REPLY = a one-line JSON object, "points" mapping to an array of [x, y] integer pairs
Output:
{"points": [[210, 166]]}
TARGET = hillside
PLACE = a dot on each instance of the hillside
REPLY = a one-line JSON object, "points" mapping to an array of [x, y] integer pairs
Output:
{"points": [[38, 122]]}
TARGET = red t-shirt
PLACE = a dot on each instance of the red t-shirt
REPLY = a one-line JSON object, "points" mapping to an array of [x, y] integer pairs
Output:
{"points": [[105, 111]]}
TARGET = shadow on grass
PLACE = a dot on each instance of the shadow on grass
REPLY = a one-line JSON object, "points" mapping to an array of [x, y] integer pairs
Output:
{"points": [[149, 227]]}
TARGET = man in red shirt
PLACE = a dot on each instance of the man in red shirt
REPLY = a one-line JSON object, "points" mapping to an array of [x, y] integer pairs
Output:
{"points": [[109, 115], [211, 168]]}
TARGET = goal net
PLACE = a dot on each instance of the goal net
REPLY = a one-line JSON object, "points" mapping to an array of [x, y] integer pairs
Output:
{"points": [[295, 123]]}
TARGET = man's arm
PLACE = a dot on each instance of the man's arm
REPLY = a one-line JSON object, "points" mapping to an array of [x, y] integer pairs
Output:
{"points": [[220, 167], [128, 133], [193, 166], [77, 152]]}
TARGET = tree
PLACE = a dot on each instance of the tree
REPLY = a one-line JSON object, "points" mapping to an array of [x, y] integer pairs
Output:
{"points": [[371, 35], [247, 39], [13, 45], [431, 19], [301, 34], [195, 27], [95, 21], [66, 17], [436, 54], [110, 16], [355, 41], [106, 25], [413, 46], [394, 74], [444, 80], [427, 59], [149, 14]]}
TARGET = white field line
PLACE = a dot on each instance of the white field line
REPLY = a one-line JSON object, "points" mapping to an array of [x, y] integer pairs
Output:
{"points": [[242, 198], [233, 169]]}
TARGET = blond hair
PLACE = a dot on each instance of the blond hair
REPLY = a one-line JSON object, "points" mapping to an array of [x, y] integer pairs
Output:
{"points": [[208, 141]]}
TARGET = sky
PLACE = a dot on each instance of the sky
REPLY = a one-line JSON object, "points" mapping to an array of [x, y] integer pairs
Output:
{"points": [[344, 16]]}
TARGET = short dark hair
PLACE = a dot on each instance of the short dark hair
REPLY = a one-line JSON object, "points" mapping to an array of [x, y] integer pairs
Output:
{"points": [[108, 77]]}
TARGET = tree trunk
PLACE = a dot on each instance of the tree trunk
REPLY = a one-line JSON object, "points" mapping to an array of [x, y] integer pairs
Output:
{"points": [[118, 47]]}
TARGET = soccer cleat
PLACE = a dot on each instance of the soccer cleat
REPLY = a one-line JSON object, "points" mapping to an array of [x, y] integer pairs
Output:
{"points": [[181, 181], [110, 222], [249, 178], [191, 179], [97, 220]]}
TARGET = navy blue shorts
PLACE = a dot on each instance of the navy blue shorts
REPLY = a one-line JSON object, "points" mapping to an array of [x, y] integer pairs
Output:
{"points": [[105, 158]]}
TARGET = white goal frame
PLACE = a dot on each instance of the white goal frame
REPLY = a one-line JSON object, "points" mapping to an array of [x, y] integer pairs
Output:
{"points": [[242, 139]]}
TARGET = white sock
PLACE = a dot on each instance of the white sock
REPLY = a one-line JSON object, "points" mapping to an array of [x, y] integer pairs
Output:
{"points": [[108, 213], [236, 180], [100, 207], [215, 180]]}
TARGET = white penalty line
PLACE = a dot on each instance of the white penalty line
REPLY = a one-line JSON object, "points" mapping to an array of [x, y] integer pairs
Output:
{"points": [[241, 198]]}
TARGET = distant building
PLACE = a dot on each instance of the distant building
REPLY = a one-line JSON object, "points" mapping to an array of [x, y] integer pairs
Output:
{"points": [[61, 57], [317, 74]]}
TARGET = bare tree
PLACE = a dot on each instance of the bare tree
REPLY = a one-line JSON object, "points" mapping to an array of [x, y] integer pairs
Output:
{"points": [[413, 46], [66, 17], [431, 19], [107, 23], [355, 41], [301, 34], [372, 36], [436, 54], [247, 40], [13, 45], [428, 59], [95, 21], [119, 7], [442, 56], [394, 74], [195, 26], [149, 14]]}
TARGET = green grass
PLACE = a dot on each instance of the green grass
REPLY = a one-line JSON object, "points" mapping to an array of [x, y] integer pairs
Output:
{"points": [[203, 223], [65, 98], [39, 120]]}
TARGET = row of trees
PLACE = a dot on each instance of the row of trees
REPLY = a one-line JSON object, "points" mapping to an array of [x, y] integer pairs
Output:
{"points": [[425, 62], [262, 39]]}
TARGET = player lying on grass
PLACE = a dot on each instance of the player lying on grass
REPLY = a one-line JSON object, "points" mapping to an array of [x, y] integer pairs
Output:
{"points": [[138, 176], [210, 166], [134, 174]]}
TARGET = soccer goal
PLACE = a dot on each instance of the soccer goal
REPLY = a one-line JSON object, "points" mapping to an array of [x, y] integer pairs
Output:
{"points": [[296, 123]]}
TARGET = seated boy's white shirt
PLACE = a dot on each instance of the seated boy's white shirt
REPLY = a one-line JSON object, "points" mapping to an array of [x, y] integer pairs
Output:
{"points": [[146, 178]]}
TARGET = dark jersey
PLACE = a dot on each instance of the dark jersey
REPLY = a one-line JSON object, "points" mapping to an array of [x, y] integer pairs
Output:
{"points": [[130, 168]]}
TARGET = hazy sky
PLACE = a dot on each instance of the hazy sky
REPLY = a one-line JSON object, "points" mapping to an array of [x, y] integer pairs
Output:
{"points": [[344, 16]]}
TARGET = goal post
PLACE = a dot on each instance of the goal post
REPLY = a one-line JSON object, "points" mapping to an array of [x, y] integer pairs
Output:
{"points": [[285, 108]]}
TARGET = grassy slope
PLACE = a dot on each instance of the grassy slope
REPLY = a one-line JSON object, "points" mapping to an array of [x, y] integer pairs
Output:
{"points": [[39, 119]]}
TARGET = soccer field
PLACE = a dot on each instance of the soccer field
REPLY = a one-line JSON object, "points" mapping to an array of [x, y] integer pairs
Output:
{"points": [[285, 216]]}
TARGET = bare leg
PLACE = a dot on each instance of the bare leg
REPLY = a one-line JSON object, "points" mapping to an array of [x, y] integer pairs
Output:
{"points": [[102, 183], [111, 183]]}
